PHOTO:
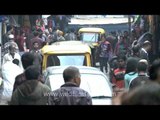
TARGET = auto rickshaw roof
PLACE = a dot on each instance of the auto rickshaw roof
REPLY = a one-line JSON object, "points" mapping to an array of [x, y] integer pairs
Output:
{"points": [[66, 47], [94, 30]]}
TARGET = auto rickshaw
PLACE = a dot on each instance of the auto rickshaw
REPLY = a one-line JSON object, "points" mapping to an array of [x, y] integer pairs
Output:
{"points": [[92, 36], [66, 53]]}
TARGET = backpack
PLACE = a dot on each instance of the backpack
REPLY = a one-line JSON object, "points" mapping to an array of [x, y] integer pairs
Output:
{"points": [[138, 81]]}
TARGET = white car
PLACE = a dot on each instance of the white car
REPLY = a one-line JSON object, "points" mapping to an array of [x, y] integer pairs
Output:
{"points": [[93, 81]]}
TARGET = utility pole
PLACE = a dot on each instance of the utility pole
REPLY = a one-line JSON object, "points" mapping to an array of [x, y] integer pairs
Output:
{"points": [[129, 26], [0, 43]]}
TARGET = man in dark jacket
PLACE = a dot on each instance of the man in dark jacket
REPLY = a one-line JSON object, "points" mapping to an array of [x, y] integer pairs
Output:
{"points": [[27, 60], [142, 78], [70, 93], [37, 54], [32, 91], [145, 49]]}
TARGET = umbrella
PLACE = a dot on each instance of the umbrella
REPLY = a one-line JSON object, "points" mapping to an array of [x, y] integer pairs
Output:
{"points": [[144, 37]]}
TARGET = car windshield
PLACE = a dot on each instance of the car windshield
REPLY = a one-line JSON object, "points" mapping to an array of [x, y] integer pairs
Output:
{"points": [[89, 37], [63, 60], [95, 85]]}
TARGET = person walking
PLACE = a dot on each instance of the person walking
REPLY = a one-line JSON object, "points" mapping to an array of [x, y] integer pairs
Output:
{"points": [[105, 52], [32, 91], [118, 74], [12, 55], [10, 42], [27, 60], [9, 72], [121, 47], [36, 38], [131, 71], [37, 54], [142, 78], [70, 93]]}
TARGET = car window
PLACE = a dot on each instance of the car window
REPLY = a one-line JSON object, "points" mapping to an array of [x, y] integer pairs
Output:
{"points": [[63, 60], [95, 85]]}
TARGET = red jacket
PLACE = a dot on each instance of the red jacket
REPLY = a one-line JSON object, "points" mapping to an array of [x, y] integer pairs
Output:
{"points": [[118, 78]]}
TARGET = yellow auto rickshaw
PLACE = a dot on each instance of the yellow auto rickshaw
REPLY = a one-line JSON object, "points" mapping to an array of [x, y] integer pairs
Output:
{"points": [[92, 36], [66, 53]]}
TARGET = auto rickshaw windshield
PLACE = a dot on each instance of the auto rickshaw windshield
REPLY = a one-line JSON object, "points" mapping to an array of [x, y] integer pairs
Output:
{"points": [[89, 37]]}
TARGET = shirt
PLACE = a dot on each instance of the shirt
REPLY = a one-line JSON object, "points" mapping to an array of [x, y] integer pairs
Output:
{"points": [[8, 57], [9, 73], [118, 78], [138, 81], [105, 49], [37, 57], [128, 77]]}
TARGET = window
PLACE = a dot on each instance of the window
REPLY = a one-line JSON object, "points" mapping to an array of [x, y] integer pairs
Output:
{"points": [[63, 60], [90, 37]]}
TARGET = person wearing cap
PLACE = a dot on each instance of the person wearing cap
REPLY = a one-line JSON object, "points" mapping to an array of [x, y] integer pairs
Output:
{"points": [[144, 50], [10, 42], [9, 72], [142, 77]]}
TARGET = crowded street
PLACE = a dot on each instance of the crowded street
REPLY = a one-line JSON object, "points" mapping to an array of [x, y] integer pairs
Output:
{"points": [[79, 60]]}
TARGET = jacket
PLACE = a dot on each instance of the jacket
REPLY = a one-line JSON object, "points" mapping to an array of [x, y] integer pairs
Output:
{"points": [[21, 78], [138, 81], [144, 54], [105, 50], [69, 94], [31, 92]]}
